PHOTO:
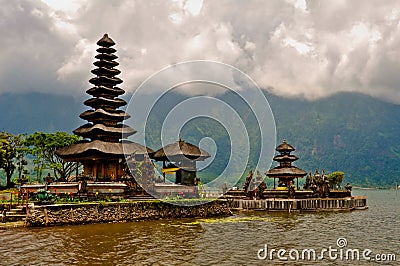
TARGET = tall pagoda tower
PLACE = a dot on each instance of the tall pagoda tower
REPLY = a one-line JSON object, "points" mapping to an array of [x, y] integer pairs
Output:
{"points": [[101, 151], [285, 171]]}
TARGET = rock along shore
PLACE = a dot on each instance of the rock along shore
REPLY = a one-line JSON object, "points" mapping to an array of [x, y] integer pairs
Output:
{"points": [[49, 215]]}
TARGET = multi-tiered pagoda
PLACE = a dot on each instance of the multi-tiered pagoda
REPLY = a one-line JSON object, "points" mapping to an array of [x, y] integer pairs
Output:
{"points": [[101, 151], [285, 171]]}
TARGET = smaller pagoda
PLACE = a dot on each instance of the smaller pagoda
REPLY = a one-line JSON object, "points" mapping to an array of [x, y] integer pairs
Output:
{"points": [[285, 171], [181, 157]]}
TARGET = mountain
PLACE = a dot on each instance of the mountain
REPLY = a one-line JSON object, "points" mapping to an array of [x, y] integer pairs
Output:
{"points": [[354, 133], [30, 112], [349, 132]]}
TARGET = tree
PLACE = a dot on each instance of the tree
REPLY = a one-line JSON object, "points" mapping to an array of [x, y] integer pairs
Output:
{"points": [[11, 153], [43, 147], [335, 178]]}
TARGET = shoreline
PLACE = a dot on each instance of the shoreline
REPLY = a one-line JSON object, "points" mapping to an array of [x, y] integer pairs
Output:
{"points": [[116, 212], [67, 214]]}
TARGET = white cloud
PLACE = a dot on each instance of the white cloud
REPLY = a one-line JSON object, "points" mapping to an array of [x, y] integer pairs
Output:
{"points": [[295, 47], [193, 6], [64, 5]]}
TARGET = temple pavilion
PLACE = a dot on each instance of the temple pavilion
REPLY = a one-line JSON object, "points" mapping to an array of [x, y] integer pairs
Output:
{"points": [[180, 158], [285, 171], [101, 151]]}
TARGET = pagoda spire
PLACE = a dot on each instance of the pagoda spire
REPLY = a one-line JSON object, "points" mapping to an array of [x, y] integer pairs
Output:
{"points": [[285, 171], [104, 145], [105, 119]]}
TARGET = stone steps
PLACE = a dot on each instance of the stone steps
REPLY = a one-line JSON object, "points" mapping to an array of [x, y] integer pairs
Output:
{"points": [[18, 210], [12, 217], [145, 197], [14, 214]]}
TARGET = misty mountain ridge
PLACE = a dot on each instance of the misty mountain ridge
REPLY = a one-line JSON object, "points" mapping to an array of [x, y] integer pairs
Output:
{"points": [[350, 132]]}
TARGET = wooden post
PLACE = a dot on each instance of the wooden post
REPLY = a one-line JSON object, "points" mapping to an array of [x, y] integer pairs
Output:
{"points": [[10, 200], [164, 172], [27, 198], [116, 170], [274, 183], [94, 169], [297, 179]]}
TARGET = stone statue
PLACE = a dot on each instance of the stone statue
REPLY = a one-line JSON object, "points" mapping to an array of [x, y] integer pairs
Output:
{"points": [[348, 187], [307, 184], [249, 177], [292, 190]]}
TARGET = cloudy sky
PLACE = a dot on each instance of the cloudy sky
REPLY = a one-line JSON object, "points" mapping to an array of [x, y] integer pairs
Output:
{"points": [[299, 48]]}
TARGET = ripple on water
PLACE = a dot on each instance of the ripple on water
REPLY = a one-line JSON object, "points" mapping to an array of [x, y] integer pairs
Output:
{"points": [[232, 240]]}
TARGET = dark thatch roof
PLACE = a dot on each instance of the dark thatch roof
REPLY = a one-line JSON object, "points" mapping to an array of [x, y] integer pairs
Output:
{"points": [[286, 157], [117, 115], [106, 63], [102, 102], [102, 90], [180, 150], [105, 50], [102, 80], [101, 149], [105, 41], [285, 147], [286, 172], [108, 57], [89, 129], [103, 71]]}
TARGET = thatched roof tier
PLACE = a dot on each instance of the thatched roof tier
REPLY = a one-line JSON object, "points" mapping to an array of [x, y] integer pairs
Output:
{"points": [[100, 114], [102, 71], [102, 102], [283, 172], [108, 57], [179, 151], [101, 91], [285, 147], [105, 63], [89, 130], [106, 50], [105, 41], [98, 149], [104, 80], [286, 157]]}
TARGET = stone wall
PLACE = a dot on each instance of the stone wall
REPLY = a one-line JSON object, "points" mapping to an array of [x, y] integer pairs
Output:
{"points": [[119, 212], [314, 204]]}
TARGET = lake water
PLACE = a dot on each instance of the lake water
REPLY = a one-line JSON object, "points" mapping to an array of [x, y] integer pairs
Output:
{"points": [[235, 240]]}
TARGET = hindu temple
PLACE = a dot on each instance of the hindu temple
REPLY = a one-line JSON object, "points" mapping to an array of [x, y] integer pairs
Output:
{"points": [[101, 152]]}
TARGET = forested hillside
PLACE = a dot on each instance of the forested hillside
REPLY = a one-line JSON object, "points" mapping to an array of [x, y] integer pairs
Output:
{"points": [[353, 133]]}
